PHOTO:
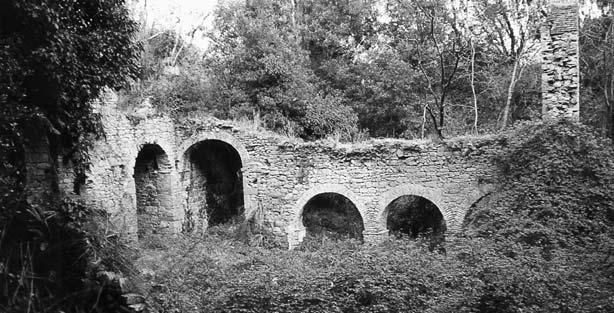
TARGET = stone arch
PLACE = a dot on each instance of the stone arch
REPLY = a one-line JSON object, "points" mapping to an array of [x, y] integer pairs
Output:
{"points": [[296, 230], [203, 183], [134, 150], [434, 195], [221, 136], [153, 190]]}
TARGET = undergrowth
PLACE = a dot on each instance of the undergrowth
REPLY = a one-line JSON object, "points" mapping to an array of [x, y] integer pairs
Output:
{"points": [[60, 257], [542, 243]]}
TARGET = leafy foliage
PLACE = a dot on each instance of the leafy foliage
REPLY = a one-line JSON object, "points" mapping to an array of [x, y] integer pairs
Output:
{"points": [[319, 68], [56, 57], [260, 70], [596, 54], [51, 259], [557, 192]]}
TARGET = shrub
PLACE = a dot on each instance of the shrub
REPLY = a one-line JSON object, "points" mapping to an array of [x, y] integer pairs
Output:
{"points": [[51, 259]]}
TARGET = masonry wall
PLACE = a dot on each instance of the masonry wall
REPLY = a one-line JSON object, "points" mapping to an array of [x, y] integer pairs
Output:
{"points": [[452, 175], [154, 197], [282, 175], [110, 182], [279, 175], [560, 61]]}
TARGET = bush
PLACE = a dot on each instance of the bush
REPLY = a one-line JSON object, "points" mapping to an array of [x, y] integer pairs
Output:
{"points": [[557, 192], [51, 260]]}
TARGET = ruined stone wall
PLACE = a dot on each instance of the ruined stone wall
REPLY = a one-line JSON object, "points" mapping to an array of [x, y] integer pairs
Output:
{"points": [[279, 175], [560, 61], [110, 182], [154, 198], [285, 176], [196, 201]]}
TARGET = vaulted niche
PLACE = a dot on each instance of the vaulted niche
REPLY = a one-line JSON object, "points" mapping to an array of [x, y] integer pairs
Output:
{"points": [[332, 215], [215, 186], [152, 179], [415, 216]]}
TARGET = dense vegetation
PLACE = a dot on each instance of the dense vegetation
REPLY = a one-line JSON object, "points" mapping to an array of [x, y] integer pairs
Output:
{"points": [[350, 69], [55, 58], [317, 68], [597, 54], [541, 243]]}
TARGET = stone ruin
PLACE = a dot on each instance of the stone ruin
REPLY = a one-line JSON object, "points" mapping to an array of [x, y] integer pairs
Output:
{"points": [[156, 176], [560, 61]]}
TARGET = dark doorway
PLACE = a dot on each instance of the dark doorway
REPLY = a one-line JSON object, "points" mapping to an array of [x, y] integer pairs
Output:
{"points": [[215, 191]]}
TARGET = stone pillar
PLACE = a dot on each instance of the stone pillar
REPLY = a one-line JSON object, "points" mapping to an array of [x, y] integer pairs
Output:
{"points": [[560, 61]]}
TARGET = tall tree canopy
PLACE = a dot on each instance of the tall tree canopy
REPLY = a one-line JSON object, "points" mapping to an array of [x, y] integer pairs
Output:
{"points": [[258, 68], [596, 67], [56, 56]]}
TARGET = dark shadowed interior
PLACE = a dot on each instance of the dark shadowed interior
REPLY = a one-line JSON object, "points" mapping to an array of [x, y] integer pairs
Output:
{"points": [[333, 215], [216, 181], [415, 216]]}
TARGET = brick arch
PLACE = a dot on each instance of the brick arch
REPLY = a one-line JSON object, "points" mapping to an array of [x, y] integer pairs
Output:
{"points": [[432, 194], [224, 137], [296, 230]]}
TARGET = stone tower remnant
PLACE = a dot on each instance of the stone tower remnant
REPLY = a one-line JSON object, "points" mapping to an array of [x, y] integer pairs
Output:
{"points": [[560, 61]]}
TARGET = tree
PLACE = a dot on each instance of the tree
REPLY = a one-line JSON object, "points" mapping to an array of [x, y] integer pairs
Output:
{"points": [[428, 35], [597, 54], [260, 70], [56, 57], [346, 51], [507, 30]]}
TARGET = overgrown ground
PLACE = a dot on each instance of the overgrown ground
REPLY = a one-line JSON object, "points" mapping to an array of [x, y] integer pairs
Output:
{"points": [[219, 273], [543, 242]]}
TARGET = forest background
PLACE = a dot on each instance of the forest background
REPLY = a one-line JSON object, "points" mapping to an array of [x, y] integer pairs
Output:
{"points": [[355, 69]]}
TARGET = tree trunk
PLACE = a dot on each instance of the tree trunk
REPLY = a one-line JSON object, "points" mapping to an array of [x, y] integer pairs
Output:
{"points": [[423, 119], [510, 93], [475, 99], [609, 105]]}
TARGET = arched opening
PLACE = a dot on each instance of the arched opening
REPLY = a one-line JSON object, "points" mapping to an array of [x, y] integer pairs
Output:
{"points": [[415, 216], [215, 184], [333, 215], [152, 179]]}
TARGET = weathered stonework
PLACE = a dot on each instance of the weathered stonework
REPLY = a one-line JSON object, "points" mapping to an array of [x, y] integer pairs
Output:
{"points": [[560, 61], [143, 171], [154, 199], [154, 192]]}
